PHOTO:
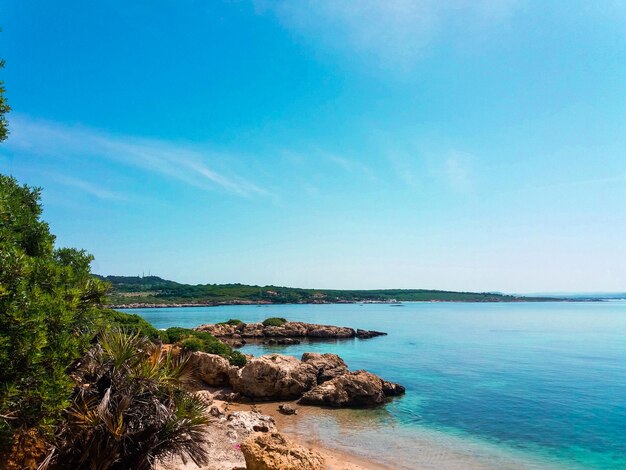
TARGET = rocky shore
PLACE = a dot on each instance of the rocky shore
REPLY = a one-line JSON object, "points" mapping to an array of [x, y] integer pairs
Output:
{"points": [[290, 332], [132, 305], [248, 439], [316, 379]]}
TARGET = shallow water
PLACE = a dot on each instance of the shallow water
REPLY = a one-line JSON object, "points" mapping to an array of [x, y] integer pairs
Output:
{"points": [[520, 385]]}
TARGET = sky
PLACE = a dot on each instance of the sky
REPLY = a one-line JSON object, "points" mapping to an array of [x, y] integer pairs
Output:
{"points": [[446, 144]]}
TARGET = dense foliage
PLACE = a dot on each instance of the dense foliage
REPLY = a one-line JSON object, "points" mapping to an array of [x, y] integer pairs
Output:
{"points": [[94, 384], [49, 304], [274, 321], [154, 290], [193, 340], [132, 323], [130, 411], [4, 109]]}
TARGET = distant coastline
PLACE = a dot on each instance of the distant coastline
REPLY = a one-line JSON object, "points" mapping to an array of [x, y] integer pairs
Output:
{"points": [[132, 292]]}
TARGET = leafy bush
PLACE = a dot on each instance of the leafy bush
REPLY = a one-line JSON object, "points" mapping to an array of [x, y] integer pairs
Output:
{"points": [[274, 321], [233, 322], [192, 344], [131, 411], [132, 323], [193, 340], [237, 359], [49, 305]]}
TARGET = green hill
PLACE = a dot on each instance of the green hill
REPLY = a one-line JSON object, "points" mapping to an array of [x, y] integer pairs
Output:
{"points": [[128, 290]]}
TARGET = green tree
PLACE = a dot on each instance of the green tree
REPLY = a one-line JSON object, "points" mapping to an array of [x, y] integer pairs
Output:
{"points": [[49, 305], [4, 108]]}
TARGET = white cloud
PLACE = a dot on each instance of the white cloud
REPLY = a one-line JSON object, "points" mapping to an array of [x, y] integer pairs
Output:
{"points": [[89, 188], [173, 161], [393, 32]]}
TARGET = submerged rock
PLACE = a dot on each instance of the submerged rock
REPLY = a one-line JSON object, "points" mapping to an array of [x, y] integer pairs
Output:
{"points": [[365, 334], [328, 366], [272, 451], [281, 341], [354, 389], [273, 376]]}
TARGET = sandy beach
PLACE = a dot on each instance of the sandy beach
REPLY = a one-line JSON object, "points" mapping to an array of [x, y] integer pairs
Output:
{"points": [[335, 459], [227, 456]]}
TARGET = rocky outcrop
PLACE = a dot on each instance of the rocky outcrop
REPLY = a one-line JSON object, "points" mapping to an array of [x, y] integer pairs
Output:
{"points": [[288, 333], [391, 389], [328, 366], [366, 334], [354, 389], [272, 451], [273, 376], [209, 368], [287, 409]]}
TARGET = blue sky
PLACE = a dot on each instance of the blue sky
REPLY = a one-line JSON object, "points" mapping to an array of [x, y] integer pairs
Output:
{"points": [[452, 144]]}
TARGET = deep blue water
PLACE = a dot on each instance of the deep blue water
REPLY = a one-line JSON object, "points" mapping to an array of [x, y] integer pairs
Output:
{"points": [[544, 382]]}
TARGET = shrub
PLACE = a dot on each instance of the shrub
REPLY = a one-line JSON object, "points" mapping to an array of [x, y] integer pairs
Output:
{"points": [[132, 413], [193, 340], [133, 323], [237, 359], [274, 321], [232, 321], [192, 344]]}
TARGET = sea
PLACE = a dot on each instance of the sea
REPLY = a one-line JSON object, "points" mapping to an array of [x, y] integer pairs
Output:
{"points": [[489, 385]]}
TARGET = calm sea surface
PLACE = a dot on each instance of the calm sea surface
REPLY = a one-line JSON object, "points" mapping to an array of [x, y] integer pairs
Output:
{"points": [[523, 385]]}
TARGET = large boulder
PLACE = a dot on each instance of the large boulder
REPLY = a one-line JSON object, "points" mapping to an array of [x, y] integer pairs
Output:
{"points": [[219, 329], [210, 368], [354, 389], [273, 376], [272, 451], [252, 330], [290, 329], [328, 366], [327, 331]]}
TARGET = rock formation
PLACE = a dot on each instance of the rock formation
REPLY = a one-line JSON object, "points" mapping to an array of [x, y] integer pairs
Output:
{"points": [[288, 333], [328, 366], [272, 451], [273, 376], [210, 368], [354, 389], [319, 379]]}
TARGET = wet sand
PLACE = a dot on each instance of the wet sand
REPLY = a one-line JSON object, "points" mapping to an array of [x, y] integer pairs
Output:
{"points": [[335, 459]]}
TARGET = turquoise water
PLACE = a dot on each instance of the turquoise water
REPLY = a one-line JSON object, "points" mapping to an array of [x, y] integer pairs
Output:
{"points": [[523, 385]]}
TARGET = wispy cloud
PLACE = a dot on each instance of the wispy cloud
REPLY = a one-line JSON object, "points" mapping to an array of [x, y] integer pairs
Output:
{"points": [[353, 166], [457, 171], [173, 161], [89, 187], [395, 32]]}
